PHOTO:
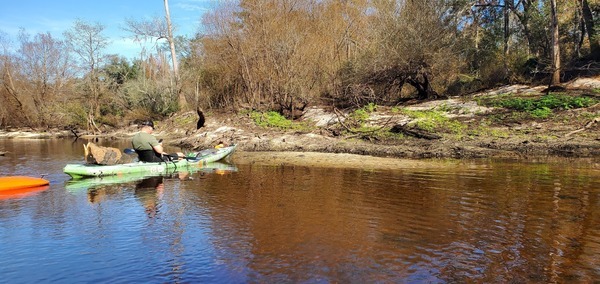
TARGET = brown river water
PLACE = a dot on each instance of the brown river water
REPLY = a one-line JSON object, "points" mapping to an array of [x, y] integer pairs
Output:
{"points": [[484, 221]]}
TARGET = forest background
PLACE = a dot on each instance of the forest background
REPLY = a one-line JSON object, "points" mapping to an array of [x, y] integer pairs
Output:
{"points": [[286, 55]]}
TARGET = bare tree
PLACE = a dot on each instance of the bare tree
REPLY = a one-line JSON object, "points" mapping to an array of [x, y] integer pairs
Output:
{"points": [[45, 64], [87, 41], [415, 46], [157, 29], [13, 110]]}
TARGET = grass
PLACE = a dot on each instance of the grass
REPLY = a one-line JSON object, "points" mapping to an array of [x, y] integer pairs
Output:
{"points": [[542, 107]]}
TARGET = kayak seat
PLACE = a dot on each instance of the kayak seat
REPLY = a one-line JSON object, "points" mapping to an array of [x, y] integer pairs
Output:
{"points": [[148, 156]]}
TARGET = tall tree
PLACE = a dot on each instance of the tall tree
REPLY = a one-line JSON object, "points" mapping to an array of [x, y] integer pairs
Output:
{"points": [[87, 41], [171, 40], [555, 44], [157, 29], [588, 23]]}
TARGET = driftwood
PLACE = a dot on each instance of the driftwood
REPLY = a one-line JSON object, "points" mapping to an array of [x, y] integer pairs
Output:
{"points": [[74, 131], [414, 132], [587, 125], [2, 153]]}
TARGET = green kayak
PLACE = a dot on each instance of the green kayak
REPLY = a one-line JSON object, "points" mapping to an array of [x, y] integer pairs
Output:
{"points": [[76, 185], [198, 159]]}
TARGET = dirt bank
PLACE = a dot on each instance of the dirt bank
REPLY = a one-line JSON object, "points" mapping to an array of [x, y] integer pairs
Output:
{"points": [[534, 139], [483, 132]]}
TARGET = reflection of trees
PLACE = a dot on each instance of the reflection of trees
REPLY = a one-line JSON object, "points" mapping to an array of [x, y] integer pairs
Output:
{"points": [[488, 222]]}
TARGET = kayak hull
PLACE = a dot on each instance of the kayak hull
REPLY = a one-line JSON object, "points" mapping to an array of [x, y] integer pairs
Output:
{"points": [[77, 171], [21, 182], [76, 185]]}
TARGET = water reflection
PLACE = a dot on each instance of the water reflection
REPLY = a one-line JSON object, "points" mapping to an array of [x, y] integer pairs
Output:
{"points": [[149, 191], [485, 224], [22, 192], [453, 221]]}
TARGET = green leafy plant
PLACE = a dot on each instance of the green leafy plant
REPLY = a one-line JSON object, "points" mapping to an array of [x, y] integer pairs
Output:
{"points": [[271, 119], [371, 107], [275, 120], [361, 115], [542, 112], [541, 107]]}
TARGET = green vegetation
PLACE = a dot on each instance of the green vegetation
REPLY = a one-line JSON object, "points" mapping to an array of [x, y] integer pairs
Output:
{"points": [[542, 107], [275, 120], [361, 115]]}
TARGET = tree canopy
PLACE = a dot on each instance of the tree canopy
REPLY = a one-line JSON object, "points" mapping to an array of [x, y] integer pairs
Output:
{"points": [[285, 55]]}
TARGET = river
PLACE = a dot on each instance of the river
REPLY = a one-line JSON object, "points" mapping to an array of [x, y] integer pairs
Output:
{"points": [[486, 221]]}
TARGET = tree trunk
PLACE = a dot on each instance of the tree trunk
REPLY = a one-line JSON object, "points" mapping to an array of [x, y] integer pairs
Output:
{"points": [[555, 46], [182, 100], [523, 13], [424, 88], [506, 35], [588, 21]]}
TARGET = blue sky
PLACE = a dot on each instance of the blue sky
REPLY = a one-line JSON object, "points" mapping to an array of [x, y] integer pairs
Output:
{"points": [[57, 16]]}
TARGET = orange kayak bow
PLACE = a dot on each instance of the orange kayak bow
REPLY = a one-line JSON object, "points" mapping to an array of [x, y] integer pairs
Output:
{"points": [[20, 182]]}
